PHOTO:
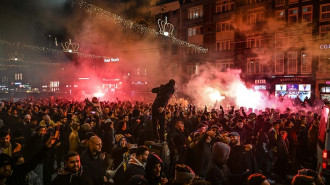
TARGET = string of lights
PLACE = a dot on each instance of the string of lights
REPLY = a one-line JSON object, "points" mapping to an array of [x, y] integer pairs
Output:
{"points": [[17, 63], [19, 45], [128, 24]]}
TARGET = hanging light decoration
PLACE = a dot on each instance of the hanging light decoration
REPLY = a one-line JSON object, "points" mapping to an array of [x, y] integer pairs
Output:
{"points": [[128, 24]]}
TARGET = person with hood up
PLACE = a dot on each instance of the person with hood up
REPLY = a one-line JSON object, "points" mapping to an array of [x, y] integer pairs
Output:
{"points": [[154, 170], [218, 172], [164, 93], [72, 173]]}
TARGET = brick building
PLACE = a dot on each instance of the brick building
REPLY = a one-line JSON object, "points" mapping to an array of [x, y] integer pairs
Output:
{"points": [[280, 45]]}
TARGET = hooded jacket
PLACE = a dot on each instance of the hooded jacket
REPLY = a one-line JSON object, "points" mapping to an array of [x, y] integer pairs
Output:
{"points": [[65, 177], [152, 160], [218, 172]]}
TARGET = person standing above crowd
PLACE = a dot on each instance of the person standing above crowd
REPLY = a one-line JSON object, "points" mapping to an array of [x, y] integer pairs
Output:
{"points": [[164, 93]]}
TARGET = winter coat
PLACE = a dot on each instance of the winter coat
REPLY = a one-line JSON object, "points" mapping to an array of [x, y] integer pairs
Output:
{"points": [[64, 177], [218, 172], [202, 156], [152, 160], [164, 93], [94, 165], [19, 172], [134, 168]]}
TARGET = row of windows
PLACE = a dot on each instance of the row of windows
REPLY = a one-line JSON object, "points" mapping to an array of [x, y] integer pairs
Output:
{"points": [[224, 26], [307, 14], [282, 39], [254, 66], [282, 2], [257, 15], [225, 6], [195, 31]]}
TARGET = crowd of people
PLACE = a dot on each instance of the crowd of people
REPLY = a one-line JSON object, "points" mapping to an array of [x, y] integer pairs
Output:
{"points": [[58, 142]]}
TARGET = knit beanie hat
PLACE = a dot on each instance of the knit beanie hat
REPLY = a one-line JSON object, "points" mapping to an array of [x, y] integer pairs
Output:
{"points": [[119, 137]]}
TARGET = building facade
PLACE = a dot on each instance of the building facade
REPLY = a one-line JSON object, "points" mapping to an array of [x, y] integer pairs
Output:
{"points": [[281, 46]]}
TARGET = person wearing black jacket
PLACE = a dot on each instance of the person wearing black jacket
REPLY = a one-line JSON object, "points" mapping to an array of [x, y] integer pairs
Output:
{"points": [[202, 154], [136, 164], [93, 160], [72, 173], [164, 93], [242, 161], [12, 174]]}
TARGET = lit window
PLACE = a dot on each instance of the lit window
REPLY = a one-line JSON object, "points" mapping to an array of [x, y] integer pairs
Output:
{"points": [[195, 12], [195, 31], [279, 63], [325, 12], [253, 66], [18, 76], [307, 13], [293, 16], [292, 62], [225, 5], [280, 15], [306, 62]]}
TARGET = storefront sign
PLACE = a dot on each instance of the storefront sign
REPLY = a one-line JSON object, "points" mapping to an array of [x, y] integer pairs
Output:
{"points": [[111, 60], [260, 87], [291, 79], [325, 46]]}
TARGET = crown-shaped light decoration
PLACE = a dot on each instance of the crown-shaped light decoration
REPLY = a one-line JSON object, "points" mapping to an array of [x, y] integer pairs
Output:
{"points": [[15, 56], [70, 47], [165, 28]]}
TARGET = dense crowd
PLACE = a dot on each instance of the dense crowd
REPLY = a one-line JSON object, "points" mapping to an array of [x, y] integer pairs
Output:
{"points": [[59, 142]]}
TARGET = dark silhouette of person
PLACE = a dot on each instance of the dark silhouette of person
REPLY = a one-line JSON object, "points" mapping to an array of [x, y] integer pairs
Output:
{"points": [[164, 93]]}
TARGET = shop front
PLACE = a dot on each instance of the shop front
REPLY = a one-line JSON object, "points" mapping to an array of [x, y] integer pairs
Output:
{"points": [[325, 90], [293, 87]]}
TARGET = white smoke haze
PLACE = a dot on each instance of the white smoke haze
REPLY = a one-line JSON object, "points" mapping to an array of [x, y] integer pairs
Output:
{"points": [[213, 88]]}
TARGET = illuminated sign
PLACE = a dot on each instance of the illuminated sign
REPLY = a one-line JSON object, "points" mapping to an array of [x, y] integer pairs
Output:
{"points": [[111, 60], [325, 46], [260, 87]]}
